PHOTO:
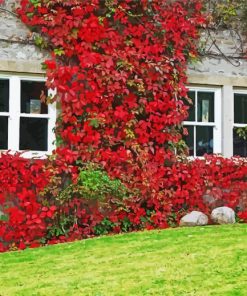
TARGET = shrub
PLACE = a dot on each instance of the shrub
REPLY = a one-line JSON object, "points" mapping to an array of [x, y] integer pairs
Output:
{"points": [[82, 202], [94, 204], [93, 183]]}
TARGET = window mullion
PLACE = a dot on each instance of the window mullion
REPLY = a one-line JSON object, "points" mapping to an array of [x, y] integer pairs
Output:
{"points": [[4, 114], [14, 113], [227, 111], [196, 99], [239, 125], [194, 140], [51, 123], [196, 119], [217, 132]]}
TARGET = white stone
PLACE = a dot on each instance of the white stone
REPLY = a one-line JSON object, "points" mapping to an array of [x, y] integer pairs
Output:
{"points": [[195, 218], [223, 215]]}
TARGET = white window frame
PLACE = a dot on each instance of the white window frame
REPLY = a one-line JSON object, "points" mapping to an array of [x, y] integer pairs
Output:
{"points": [[237, 125], [15, 114], [217, 128], [238, 92]]}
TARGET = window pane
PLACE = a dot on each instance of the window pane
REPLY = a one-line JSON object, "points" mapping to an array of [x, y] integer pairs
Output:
{"points": [[33, 134], [204, 140], [239, 145], [191, 111], [189, 140], [240, 108], [4, 95], [31, 91], [205, 106], [3, 132]]}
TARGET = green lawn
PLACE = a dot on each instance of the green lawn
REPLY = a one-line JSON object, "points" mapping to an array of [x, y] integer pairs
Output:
{"points": [[189, 261]]}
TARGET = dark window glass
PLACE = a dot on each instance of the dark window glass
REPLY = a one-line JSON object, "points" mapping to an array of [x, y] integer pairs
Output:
{"points": [[239, 145], [240, 108], [4, 95], [204, 140], [33, 134], [205, 106], [191, 111], [3, 132], [31, 92], [189, 140]]}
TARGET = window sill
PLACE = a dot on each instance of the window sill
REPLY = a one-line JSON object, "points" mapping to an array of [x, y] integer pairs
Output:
{"points": [[29, 154]]}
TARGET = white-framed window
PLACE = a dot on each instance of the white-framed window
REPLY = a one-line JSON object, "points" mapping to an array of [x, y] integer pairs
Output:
{"points": [[26, 124], [240, 121], [204, 121]]}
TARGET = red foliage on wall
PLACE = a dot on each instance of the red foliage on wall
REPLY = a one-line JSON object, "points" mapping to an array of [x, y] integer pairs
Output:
{"points": [[23, 222], [119, 68], [31, 219], [119, 71]]}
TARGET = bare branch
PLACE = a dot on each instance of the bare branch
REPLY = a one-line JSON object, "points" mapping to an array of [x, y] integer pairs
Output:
{"points": [[8, 11]]}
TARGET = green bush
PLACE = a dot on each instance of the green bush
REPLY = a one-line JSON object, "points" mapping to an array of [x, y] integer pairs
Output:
{"points": [[94, 183]]}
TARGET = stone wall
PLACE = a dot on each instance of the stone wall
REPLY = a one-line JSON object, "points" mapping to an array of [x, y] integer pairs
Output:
{"points": [[17, 51], [224, 59], [17, 56]]}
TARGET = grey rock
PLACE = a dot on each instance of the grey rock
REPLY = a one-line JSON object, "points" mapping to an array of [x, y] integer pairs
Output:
{"points": [[223, 215], [208, 199], [195, 218]]}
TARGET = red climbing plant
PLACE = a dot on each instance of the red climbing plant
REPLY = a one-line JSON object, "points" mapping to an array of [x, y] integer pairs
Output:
{"points": [[23, 219], [119, 69]]}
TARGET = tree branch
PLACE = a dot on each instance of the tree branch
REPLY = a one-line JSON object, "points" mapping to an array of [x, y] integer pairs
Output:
{"points": [[20, 41], [8, 11]]}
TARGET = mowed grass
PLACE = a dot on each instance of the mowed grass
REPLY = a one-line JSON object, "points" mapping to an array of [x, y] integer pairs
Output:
{"points": [[185, 261]]}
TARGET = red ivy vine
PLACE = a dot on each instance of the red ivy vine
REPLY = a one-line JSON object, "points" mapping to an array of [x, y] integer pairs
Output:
{"points": [[23, 216], [119, 71]]}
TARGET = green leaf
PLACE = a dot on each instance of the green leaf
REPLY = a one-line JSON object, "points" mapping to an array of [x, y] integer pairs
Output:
{"points": [[59, 51], [94, 122], [4, 218]]}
